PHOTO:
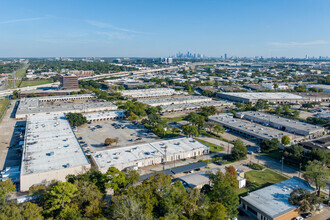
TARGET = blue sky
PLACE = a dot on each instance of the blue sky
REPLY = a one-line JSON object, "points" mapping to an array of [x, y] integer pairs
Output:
{"points": [[153, 28]]}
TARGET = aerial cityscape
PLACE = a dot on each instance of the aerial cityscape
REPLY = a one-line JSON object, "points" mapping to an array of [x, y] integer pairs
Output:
{"points": [[165, 110]]}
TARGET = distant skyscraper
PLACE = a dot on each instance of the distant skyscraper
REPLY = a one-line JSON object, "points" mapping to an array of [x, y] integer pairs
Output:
{"points": [[225, 56]]}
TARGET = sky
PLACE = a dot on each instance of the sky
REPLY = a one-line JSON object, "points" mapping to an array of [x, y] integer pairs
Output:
{"points": [[154, 28]]}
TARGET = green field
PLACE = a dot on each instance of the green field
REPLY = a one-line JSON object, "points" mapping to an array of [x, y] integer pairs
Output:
{"points": [[34, 82], [213, 147], [20, 73], [3, 106], [259, 179], [175, 119]]}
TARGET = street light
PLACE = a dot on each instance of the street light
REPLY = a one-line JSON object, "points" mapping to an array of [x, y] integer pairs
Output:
{"points": [[282, 163], [164, 162]]}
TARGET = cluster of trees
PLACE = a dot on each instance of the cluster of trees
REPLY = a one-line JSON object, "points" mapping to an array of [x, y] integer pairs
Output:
{"points": [[84, 196], [97, 67], [10, 67], [268, 145], [306, 200], [295, 154], [110, 141], [286, 111], [318, 121], [239, 151], [76, 119], [259, 106], [95, 87], [310, 105]]}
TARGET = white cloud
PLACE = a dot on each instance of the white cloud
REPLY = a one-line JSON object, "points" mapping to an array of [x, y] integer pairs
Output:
{"points": [[23, 20], [110, 26], [298, 44]]}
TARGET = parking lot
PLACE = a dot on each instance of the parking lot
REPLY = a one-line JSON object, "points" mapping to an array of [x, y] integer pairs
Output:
{"points": [[92, 136]]}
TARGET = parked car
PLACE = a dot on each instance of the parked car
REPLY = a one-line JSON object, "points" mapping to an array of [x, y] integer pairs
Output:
{"points": [[250, 152], [299, 218], [219, 162], [306, 215]]}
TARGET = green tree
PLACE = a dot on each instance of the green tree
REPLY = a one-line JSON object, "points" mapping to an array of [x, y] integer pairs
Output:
{"points": [[268, 145], [305, 199], [116, 179], [190, 130], [317, 174], [7, 187], [59, 195], [218, 211], [76, 119], [206, 111], [26, 211], [239, 150], [285, 140]]}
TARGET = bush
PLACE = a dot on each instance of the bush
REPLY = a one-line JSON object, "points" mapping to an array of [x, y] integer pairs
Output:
{"points": [[256, 166]]}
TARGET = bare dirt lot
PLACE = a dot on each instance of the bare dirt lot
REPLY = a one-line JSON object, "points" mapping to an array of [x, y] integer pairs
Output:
{"points": [[127, 133]]}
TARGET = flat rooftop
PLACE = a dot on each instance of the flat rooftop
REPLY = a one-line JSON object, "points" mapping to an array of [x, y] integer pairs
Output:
{"points": [[142, 93], [116, 156], [50, 144], [176, 100], [273, 200], [282, 121], [193, 105], [106, 114], [263, 95], [28, 106], [248, 127]]}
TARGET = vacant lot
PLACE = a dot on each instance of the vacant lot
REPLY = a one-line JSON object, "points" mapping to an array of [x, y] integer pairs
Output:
{"points": [[258, 179], [213, 147], [129, 135], [34, 82], [3, 106]]}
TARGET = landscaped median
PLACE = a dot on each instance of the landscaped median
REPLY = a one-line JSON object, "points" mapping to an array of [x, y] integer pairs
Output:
{"points": [[213, 147]]}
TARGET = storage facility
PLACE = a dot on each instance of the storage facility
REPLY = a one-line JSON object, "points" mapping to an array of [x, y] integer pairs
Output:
{"points": [[103, 116], [284, 124], [253, 97], [150, 93], [250, 130], [148, 154], [51, 151]]}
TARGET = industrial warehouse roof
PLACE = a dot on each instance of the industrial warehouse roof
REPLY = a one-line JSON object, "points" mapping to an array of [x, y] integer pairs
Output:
{"points": [[247, 127], [188, 167], [143, 93], [285, 122], [263, 95], [104, 115], [273, 200], [50, 144], [30, 106], [116, 156], [176, 100], [166, 108]]}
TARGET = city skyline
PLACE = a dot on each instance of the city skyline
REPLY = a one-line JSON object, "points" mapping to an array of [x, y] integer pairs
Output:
{"points": [[162, 29]]}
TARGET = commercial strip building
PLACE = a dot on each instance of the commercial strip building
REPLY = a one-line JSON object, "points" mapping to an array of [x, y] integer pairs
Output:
{"points": [[272, 202], [253, 97], [103, 116], [31, 106], [250, 130], [322, 143], [51, 151], [284, 124], [148, 154], [150, 93]]}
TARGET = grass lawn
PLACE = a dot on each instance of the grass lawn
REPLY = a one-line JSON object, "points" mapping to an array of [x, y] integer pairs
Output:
{"points": [[34, 82], [20, 73], [3, 106], [175, 119], [258, 179], [213, 147]]}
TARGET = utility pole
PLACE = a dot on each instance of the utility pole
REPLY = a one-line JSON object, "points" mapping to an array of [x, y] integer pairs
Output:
{"points": [[14, 79], [282, 163], [164, 162], [299, 169]]}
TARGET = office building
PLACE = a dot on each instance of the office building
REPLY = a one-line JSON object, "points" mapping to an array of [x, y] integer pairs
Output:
{"points": [[69, 82]]}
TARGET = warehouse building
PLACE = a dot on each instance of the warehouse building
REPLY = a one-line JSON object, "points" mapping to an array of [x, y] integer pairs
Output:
{"points": [[176, 100], [148, 154], [250, 130], [284, 124], [194, 106], [151, 93], [104, 116], [272, 202], [51, 151], [32, 106], [253, 97]]}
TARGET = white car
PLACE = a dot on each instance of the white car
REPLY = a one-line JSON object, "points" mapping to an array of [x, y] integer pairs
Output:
{"points": [[299, 218]]}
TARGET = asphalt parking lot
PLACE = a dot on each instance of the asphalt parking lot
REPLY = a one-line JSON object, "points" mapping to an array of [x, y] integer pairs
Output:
{"points": [[93, 135]]}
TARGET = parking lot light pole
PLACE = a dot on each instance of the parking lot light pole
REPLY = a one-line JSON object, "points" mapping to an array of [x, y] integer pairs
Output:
{"points": [[282, 163]]}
